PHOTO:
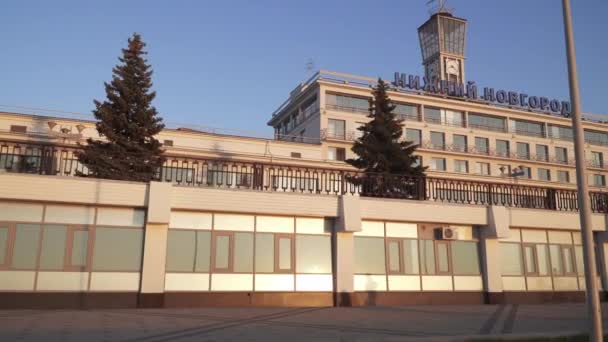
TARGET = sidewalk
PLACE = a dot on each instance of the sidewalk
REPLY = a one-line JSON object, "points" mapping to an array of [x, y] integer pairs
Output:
{"points": [[412, 323]]}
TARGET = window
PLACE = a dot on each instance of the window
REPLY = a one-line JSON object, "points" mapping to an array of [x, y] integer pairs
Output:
{"points": [[347, 103], [284, 250], [483, 169], [358, 133], [511, 259], [438, 140], [168, 143], [393, 254], [18, 129], [402, 256], [232, 252], [442, 255], [523, 150], [188, 251], [465, 257], [597, 159], [561, 155], [336, 129], [461, 166], [482, 145], [460, 143], [25, 246], [427, 256], [413, 135], [526, 172], [505, 170], [406, 112], [117, 249], [529, 128], [596, 137], [222, 248], [313, 254], [52, 255], [438, 164], [3, 245], [432, 115], [544, 174], [536, 259], [530, 259], [410, 257], [369, 255], [542, 152], [502, 148], [336, 153], [563, 176], [486, 122], [444, 116], [561, 133], [557, 263], [599, 180]]}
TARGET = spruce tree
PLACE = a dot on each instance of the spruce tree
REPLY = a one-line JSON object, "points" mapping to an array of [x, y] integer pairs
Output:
{"points": [[380, 149], [128, 122]]}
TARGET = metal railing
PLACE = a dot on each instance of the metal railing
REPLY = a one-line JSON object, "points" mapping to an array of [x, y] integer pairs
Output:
{"points": [[216, 173]]}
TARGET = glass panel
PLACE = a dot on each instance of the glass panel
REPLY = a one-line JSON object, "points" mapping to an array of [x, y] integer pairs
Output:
{"points": [[437, 140], [264, 253], [369, 255], [180, 250], [427, 255], [432, 115], [222, 251], [203, 251], [561, 133], [460, 142], [529, 128], [410, 257], [313, 254], [530, 259], [336, 129], [465, 257], [53, 248], [3, 244], [580, 265], [511, 259], [80, 248], [481, 145], [543, 259], [443, 262], [413, 135], [596, 138], [502, 148], [284, 253], [557, 266], [561, 154], [348, 103], [523, 150], [568, 260], [394, 264], [117, 249], [25, 249], [243, 252], [542, 152], [489, 123]]}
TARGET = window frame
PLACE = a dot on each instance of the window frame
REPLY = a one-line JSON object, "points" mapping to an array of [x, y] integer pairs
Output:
{"points": [[569, 248], [527, 272], [230, 267], [399, 242], [449, 256], [67, 265], [10, 242], [277, 255]]}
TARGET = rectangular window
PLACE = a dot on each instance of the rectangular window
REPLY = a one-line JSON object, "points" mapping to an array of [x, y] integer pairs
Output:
{"points": [[568, 260], [394, 256], [542, 152], [529, 128], [511, 259], [505, 170], [526, 172], [599, 180], [202, 262], [580, 265], [243, 253], [460, 143], [347, 103], [542, 254], [336, 129], [410, 257], [438, 140], [557, 265], [117, 249], [544, 174], [313, 254], [523, 150], [563, 176], [79, 248], [222, 252], [482, 145], [181, 250], [502, 148], [432, 115], [465, 258], [461, 166], [406, 112], [483, 169], [443, 257], [52, 255], [561, 133], [427, 256], [284, 250], [597, 159], [561, 155], [25, 247], [3, 245], [369, 255], [530, 259], [264, 253], [438, 164], [336, 153], [596, 137], [486, 122], [413, 135]]}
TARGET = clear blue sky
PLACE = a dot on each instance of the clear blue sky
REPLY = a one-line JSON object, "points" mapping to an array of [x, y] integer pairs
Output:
{"points": [[231, 63]]}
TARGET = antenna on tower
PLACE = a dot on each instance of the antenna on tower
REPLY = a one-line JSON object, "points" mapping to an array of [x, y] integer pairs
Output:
{"points": [[310, 67], [440, 7]]}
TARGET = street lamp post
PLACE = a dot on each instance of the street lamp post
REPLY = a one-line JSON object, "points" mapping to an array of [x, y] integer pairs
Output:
{"points": [[593, 302]]}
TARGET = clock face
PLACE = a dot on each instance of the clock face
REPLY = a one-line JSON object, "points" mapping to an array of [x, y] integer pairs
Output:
{"points": [[452, 67]]}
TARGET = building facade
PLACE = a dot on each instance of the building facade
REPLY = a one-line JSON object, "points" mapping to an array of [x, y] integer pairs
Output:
{"points": [[233, 220]]}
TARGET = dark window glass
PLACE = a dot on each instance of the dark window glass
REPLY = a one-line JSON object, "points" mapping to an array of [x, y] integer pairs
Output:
{"points": [[502, 148], [482, 145], [460, 142], [488, 123], [542, 152], [413, 135], [529, 128], [523, 150]]}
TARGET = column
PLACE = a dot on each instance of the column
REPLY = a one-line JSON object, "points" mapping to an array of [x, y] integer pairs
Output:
{"points": [[343, 253]]}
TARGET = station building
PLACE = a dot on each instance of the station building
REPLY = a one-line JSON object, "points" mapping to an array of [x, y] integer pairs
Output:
{"points": [[235, 220]]}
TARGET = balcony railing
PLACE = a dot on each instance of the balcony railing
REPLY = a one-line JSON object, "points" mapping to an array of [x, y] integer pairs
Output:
{"points": [[215, 173], [345, 136]]}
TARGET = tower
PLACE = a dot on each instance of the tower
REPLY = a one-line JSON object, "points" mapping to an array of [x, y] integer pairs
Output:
{"points": [[442, 42]]}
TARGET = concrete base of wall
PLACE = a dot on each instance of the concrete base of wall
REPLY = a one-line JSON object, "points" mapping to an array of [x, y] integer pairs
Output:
{"points": [[114, 300]]}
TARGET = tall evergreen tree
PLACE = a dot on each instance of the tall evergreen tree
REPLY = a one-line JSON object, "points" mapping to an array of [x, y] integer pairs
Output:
{"points": [[379, 148], [128, 122]]}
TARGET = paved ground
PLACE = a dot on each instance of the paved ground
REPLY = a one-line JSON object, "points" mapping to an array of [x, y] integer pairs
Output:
{"points": [[411, 323]]}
